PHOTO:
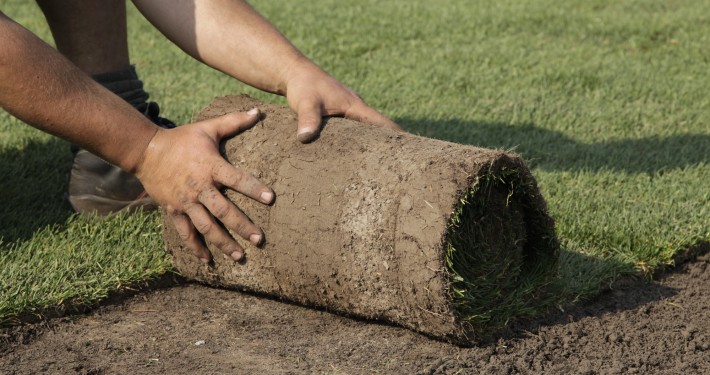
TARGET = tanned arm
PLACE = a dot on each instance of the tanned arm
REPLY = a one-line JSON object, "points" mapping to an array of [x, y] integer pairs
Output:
{"points": [[180, 168], [229, 35], [41, 87]]}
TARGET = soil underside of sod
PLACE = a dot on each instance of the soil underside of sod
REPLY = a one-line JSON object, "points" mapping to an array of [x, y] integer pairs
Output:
{"points": [[639, 327]]}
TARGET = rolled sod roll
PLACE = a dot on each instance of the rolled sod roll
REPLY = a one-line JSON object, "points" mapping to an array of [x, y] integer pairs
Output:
{"points": [[449, 240]]}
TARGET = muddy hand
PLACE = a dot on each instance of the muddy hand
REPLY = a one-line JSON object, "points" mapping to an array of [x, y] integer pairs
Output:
{"points": [[313, 93], [183, 171]]}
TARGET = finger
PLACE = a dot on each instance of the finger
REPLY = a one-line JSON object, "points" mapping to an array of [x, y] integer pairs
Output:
{"points": [[309, 120], [362, 112], [232, 123], [243, 182], [231, 216], [213, 232], [189, 236]]}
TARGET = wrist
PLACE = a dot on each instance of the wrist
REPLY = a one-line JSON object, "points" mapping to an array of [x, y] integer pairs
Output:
{"points": [[298, 67], [134, 159]]}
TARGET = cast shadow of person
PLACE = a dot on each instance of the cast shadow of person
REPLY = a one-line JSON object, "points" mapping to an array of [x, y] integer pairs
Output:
{"points": [[553, 151], [33, 182]]}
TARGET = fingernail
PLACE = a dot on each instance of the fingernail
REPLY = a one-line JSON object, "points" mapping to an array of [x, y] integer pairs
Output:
{"points": [[267, 196], [305, 135], [205, 260], [236, 255], [255, 238], [253, 112]]}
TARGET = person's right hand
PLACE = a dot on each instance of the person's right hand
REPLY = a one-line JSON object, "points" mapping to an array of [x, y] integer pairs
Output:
{"points": [[183, 171]]}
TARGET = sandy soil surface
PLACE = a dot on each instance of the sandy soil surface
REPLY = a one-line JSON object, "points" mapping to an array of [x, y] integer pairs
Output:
{"points": [[657, 327]]}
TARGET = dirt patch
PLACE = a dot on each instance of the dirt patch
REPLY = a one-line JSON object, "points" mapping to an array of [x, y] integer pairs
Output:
{"points": [[363, 224], [658, 327]]}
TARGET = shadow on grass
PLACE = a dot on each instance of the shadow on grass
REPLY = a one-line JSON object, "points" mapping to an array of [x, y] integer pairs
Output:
{"points": [[33, 182], [553, 151]]}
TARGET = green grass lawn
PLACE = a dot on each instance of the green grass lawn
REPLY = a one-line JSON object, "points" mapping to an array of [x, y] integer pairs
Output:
{"points": [[607, 100]]}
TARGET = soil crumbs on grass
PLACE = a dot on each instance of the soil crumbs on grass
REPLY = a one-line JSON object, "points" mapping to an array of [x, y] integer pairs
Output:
{"points": [[658, 327]]}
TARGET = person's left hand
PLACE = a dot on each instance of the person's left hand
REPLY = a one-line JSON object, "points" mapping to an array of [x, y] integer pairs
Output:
{"points": [[313, 93]]}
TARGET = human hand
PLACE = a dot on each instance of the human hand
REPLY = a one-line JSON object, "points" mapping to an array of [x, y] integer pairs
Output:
{"points": [[182, 170], [313, 93]]}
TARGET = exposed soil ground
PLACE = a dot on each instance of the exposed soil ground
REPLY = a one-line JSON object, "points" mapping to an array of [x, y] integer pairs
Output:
{"points": [[657, 327]]}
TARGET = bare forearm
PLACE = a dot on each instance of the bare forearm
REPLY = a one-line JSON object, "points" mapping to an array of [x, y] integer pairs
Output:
{"points": [[230, 36], [42, 88]]}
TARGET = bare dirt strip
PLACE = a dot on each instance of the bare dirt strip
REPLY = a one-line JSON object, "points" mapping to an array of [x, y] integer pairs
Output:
{"points": [[657, 327]]}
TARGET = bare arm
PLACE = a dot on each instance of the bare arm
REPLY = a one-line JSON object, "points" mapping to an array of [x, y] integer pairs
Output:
{"points": [[230, 36], [42, 88]]}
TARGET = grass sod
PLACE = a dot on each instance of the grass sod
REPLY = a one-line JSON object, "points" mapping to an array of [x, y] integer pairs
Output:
{"points": [[606, 101], [497, 269]]}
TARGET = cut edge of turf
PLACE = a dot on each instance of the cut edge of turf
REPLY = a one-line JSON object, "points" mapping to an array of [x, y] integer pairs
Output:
{"points": [[84, 286], [494, 280], [79, 305]]}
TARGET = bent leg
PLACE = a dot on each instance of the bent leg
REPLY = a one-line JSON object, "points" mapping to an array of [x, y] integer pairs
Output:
{"points": [[91, 34]]}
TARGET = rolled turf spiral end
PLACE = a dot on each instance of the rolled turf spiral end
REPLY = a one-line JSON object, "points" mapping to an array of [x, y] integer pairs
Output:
{"points": [[498, 252]]}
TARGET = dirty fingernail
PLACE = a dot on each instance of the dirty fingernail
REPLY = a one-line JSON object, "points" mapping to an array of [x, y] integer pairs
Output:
{"points": [[236, 255], [205, 260], [253, 112], [255, 238], [305, 135], [267, 196]]}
